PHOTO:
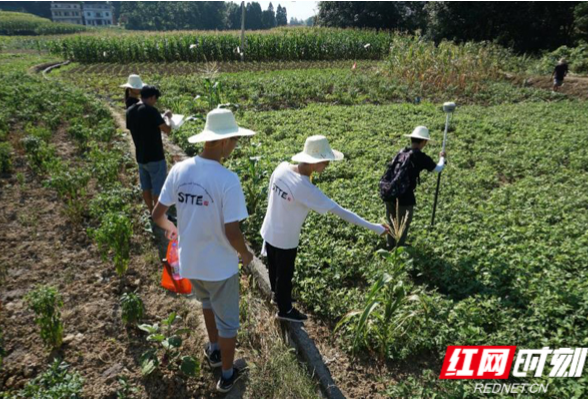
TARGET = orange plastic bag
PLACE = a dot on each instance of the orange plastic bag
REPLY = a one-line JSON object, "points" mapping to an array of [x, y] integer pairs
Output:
{"points": [[170, 279]]}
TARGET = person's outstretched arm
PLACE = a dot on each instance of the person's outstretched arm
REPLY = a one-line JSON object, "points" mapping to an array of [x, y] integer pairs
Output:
{"points": [[355, 219], [441, 164]]}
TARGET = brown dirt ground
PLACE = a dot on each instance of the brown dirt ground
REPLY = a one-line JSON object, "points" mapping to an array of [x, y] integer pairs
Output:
{"points": [[45, 248], [574, 86]]}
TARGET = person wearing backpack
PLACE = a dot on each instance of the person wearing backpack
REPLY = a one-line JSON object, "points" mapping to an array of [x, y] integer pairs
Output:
{"points": [[291, 196], [402, 175]]}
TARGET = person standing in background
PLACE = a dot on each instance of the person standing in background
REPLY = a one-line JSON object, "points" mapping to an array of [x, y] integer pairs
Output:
{"points": [[146, 124], [133, 90]]}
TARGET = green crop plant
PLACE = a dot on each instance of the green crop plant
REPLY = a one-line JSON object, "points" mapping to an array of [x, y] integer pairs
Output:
{"points": [[113, 236], [46, 303], [126, 388], [284, 44], [5, 157], [131, 307], [421, 63], [57, 382], [388, 311], [105, 163], [39, 154], [71, 186], [167, 354], [116, 199]]}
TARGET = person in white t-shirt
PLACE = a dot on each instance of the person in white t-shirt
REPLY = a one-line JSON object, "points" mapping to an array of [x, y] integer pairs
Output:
{"points": [[291, 197], [210, 204]]}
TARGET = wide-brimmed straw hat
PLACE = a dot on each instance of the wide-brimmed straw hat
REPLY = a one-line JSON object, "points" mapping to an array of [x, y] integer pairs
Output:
{"points": [[134, 82], [220, 124], [316, 150], [420, 132]]}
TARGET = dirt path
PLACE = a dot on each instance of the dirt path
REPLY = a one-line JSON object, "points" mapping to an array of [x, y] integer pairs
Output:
{"points": [[45, 248], [574, 86]]}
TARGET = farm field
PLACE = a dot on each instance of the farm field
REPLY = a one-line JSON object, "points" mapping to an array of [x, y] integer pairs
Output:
{"points": [[504, 264], [82, 244]]}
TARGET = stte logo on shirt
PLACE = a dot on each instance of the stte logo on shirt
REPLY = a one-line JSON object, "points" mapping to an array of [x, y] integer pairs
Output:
{"points": [[281, 193], [193, 199]]}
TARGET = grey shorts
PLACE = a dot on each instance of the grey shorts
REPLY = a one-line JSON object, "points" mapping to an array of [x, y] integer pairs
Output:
{"points": [[152, 176], [223, 298]]}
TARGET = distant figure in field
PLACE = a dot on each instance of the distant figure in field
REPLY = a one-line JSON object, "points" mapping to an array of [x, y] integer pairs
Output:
{"points": [[146, 125], [133, 90], [560, 71], [401, 179]]}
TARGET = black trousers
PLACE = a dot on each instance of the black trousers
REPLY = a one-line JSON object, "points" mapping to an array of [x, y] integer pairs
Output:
{"points": [[280, 264]]}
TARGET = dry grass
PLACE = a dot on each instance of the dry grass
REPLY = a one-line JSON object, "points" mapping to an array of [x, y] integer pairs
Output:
{"points": [[274, 370]]}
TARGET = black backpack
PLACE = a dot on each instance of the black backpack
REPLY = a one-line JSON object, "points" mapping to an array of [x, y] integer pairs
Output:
{"points": [[396, 180]]}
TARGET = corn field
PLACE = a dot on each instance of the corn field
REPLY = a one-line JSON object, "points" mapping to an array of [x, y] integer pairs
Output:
{"points": [[280, 44], [420, 62]]}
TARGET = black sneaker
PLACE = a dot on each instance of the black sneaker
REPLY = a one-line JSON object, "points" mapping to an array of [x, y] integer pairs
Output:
{"points": [[213, 357], [225, 385], [274, 299], [293, 315]]}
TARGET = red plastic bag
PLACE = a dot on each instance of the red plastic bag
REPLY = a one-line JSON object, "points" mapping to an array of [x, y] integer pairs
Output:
{"points": [[170, 278]]}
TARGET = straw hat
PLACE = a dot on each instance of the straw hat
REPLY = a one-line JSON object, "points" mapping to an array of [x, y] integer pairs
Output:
{"points": [[420, 132], [316, 150], [134, 82], [220, 124]]}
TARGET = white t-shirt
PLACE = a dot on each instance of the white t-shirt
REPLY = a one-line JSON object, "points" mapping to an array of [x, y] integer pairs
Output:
{"points": [[207, 196], [291, 197]]}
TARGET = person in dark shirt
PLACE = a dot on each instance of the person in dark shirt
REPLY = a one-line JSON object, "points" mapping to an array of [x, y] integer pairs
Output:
{"points": [[420, 161], [146, 125], [132, 90], [560, 71], [131, 98]]}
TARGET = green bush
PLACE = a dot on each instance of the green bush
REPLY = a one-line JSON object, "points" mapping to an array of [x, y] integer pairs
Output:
{"points": [[105, 164], [71, 186], [167, 352], [577, 58], [131, 308], [46, 302], [5, 157], [114, 235], [39, 154], [38, 131], [55, 383], [114, 199]]}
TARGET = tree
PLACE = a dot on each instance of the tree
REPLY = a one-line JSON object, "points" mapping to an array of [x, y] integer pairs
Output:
{"points": [[172, 15], [253, 16], [232, 18], [524, 26], [268, 18], [296, 22], [581, 21], [281, 16], [400, 15], [40, 8], [310, 21]]}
